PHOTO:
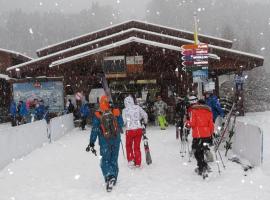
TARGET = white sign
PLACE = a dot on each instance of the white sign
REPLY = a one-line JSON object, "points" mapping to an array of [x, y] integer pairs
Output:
{"points": [[130, 60], [138, 60]]}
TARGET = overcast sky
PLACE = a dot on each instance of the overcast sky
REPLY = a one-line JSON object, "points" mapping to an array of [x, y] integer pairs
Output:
{"points": [[129, 8]]}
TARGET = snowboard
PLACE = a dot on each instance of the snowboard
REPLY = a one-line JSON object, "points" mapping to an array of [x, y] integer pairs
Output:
{"points": [[146, 149]]}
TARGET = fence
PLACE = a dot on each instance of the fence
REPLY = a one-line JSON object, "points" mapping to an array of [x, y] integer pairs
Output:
{"points": [[248, 142], [19, 141]]}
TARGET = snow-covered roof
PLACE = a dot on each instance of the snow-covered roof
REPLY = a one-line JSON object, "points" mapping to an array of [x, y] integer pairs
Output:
{"points": [[98, 40], [127, 31], [4, 76], [15, 53], [117, 44], [144, 22]]}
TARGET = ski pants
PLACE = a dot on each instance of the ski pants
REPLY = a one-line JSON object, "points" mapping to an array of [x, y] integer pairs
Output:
{"points": [[133, 143], [162, 121], [109, 160], [199, 150], [83, 123]]}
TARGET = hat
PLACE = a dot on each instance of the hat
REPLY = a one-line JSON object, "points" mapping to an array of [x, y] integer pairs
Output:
{"points": [[192, 99]]}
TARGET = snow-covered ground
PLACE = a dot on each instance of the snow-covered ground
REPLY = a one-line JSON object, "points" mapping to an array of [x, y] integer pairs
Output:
{"points": [[64, 171]]}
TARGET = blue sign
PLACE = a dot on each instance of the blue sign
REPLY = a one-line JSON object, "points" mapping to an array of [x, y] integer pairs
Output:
{"points": [[203, 74]]}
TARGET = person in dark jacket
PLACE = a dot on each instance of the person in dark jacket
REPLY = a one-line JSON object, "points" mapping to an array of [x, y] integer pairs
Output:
{"points": [[22, 112], [213, 102], [180, 112], [40, 110], [85, 112], [201, 122], [109, 147], [70, 107], [13, 112]]}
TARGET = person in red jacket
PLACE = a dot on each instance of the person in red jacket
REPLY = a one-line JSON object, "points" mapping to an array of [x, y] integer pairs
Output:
{"points": [[201, 122]]}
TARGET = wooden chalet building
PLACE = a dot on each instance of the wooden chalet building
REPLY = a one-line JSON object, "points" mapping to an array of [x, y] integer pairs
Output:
{"points": [[156, 47], [7, 59]]}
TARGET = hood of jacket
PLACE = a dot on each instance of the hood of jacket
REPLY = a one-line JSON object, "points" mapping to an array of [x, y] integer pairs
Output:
{"points": [[128, 101]]}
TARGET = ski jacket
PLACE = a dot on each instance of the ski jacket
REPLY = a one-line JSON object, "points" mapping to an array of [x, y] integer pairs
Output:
{"points": [[13, 109], [23, 110], [40, 112], [133, 114], [160, 108], [180, 109], [97, 131], [213, 102], [84, 110], [201, 121]]}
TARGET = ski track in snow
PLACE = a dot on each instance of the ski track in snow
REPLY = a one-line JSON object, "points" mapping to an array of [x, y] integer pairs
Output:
{"points": [[64, 171]]}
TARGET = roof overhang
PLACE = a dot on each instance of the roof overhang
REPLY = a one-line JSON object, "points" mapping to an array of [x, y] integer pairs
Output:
{"points": [[128, 25], [16, 55], [252, 59]]}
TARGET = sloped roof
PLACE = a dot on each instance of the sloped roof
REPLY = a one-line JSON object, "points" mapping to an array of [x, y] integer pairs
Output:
{"points": [[127, 25], [148, 35], [118, 44], [16, 55]]}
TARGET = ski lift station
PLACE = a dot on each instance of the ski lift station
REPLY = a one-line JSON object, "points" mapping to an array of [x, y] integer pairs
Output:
{"points": [[135, 56]]}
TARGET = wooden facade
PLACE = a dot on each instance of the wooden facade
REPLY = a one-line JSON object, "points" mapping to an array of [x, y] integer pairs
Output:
{"points": [[7, 58]]}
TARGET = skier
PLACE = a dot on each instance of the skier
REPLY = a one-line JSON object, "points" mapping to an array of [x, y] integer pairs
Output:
{"points": [[105, 125], [85, 112], [201, 122], [180, 111], [40, 110], [213, 102], [160, 108], [70, 107], [22, 111], [132, 116], [12, 110]]}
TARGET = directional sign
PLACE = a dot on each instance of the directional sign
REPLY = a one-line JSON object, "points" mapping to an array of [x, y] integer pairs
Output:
{"points": [[195, 68], [194, 46], [187, 58], [187, 63], [188, 52]]}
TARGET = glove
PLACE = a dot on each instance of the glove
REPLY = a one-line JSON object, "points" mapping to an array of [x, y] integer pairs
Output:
{"points": [[91, 148]]}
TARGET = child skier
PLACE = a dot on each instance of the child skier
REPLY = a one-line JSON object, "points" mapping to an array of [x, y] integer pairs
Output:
{"points": [[106, 126], [132, 116]]}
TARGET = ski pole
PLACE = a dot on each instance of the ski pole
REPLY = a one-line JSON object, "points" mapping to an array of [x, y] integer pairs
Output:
{"points": [[122, 147]]}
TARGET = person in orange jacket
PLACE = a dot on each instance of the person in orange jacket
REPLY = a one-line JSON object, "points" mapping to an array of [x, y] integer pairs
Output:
{"points": [[201, 122]]}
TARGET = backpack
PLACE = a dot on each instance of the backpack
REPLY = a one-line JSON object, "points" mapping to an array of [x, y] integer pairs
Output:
{"points": [[109, 125]]}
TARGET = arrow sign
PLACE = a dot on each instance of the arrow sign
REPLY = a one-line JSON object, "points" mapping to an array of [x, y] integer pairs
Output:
{"points": [[199, 57], [187, 63], [203, 62], [193, 46], [187, 58]]}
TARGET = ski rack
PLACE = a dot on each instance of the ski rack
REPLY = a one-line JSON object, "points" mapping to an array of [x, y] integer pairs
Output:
{"points": [[225, 127]]}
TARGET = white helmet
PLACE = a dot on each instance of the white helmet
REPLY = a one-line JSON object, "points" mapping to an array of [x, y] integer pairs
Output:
{"points": [[193, 99]]}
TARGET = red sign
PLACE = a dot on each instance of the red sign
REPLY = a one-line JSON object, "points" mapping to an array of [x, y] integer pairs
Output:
{"points": [[194, 46]]}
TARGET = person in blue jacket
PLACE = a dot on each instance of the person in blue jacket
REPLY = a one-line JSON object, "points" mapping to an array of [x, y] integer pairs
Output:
{"points": [[109, 147], [213, 102], [23, 112], [13, 112], [85, 112], [40, 110]]}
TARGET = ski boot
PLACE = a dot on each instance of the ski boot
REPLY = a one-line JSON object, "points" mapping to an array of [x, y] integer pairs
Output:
{"points": [[110, 183]]}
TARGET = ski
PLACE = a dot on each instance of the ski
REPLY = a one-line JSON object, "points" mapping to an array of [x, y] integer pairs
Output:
{"points": [[245, 167], [224, 128], [228, 144], [146, 148]]}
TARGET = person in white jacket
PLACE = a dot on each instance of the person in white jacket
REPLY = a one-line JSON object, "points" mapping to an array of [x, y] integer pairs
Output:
{"points": [[132, 115]]}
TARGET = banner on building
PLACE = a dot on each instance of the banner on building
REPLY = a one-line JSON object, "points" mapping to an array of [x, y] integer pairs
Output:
{"points": [[114, 65], [134, 64]]}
